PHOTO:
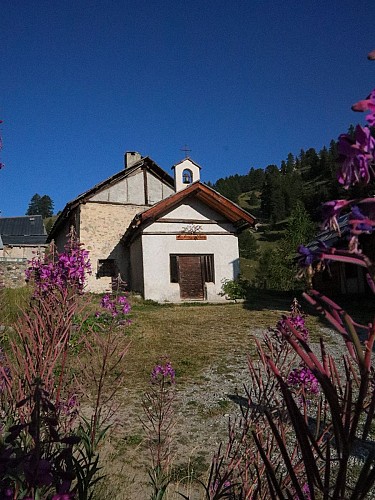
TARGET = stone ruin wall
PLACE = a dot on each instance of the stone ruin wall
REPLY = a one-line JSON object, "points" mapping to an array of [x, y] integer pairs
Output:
{"points": [[12, 274]]}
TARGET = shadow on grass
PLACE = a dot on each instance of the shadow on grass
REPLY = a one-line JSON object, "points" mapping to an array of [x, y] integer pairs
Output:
{"points": [[360, 307], [272, 300], [271, 237], [362, 447]]}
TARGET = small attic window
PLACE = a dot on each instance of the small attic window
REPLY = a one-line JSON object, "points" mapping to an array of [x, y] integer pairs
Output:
{"points": [[187, 176]]}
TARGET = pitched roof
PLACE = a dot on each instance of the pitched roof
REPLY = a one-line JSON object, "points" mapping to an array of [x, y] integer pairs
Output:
{"points": [[145, 162], [187, 158], [26, 230], [233, 212], [330, 237]]}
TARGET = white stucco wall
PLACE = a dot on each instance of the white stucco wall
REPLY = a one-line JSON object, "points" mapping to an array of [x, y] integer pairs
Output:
{"points": [[128, 190], [131, 190], [157, 190], [186, 164], [159, 240], [156, 252]]}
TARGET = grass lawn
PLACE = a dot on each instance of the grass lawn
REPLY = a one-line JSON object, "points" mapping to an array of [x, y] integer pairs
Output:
{"points": [[208, 346], [193, 336]]}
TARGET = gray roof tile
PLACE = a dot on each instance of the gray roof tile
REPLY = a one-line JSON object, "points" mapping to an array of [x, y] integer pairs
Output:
{"points": [[26, 230]]}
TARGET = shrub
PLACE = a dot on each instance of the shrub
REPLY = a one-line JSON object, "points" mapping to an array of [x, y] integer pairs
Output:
{"points": [[236, 289]]}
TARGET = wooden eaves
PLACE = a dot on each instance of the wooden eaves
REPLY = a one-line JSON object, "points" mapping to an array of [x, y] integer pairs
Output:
{"points": [[234, 213]]}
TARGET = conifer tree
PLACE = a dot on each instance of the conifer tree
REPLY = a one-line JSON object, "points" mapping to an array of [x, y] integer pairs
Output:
{"points": [[40, 205]]}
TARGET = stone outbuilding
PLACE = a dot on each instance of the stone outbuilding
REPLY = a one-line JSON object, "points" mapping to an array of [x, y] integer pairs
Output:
{"points": [[21, 238], [169, 238]]}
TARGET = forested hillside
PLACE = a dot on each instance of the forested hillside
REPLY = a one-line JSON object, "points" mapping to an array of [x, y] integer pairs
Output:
{"points": [[277, 188], [286, 199]]}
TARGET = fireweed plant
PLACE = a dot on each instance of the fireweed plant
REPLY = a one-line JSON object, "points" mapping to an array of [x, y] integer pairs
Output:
{"points": [[238, 470], [307, 429], [105, 347], [158, 423], [48, 449]]}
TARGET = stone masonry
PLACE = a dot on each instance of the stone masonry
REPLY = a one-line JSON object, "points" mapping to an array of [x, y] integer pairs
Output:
{"points": [[12, 274]]}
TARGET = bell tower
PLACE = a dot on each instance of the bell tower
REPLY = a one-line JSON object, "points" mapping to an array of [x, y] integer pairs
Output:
{"points": [[185, 173]]}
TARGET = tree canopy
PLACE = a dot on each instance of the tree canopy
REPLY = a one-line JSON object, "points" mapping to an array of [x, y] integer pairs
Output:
{"points": [[305, 177], [40, 205]]}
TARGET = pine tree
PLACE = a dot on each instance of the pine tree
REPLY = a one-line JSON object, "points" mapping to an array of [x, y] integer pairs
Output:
{"points": [[46, 206], [40, 205], [248, 245], [34, 205], [277, 268]]}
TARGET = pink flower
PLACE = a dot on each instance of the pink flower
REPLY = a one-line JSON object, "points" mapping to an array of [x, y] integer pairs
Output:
{"points": [[163, 371], [304, 378], [115, 307], [58, 271], [331, 210]]}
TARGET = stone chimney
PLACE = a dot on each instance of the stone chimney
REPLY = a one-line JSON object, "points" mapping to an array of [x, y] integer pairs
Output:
{"points": [[131, 158]]}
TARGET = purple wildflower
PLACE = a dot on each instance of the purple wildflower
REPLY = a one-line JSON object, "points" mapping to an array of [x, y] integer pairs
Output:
{"points": [[163, 372], [304, 378], [115, 307], [40, 476], [297, 321], [306, 493], [367, 104], [123, 301], [359, 222], [355, 157], [331, 211], [59, 271], [306, 256], [69, 406]]}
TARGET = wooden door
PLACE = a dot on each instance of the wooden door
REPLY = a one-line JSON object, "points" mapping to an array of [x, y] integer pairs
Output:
{"points": [[190, 277]]}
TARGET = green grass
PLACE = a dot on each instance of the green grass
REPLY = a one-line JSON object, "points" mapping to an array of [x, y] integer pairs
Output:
{"points": [[12, 300]]}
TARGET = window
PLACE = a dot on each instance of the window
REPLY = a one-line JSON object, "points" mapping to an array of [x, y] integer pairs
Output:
{"points": [[106, 267], [187, 176], [206, 263], [173, 267]]}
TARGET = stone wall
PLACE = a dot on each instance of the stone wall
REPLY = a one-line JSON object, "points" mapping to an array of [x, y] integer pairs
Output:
{"points": [[12, 273], [102, 226]]}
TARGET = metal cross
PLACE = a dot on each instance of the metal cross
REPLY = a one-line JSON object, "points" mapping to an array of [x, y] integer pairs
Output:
{"points": [[186, 150]]}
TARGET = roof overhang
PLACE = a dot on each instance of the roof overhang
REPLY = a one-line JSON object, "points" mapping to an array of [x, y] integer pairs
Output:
{"points": [[231, 211]]}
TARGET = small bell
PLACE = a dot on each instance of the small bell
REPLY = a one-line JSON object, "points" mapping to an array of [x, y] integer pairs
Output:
{"points": [[186, 177]]}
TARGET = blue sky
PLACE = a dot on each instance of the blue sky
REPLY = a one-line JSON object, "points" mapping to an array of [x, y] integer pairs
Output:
{"points": [[243, 83]]}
